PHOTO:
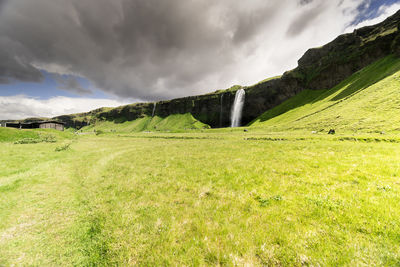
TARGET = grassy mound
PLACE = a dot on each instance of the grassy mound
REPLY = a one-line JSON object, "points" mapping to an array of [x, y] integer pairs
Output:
{"points": [[368, 101], [11, 134], [175, 122], [34, 135]]}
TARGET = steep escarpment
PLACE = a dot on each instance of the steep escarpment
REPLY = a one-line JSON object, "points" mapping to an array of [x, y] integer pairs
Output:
{"points": [[366, 102], [319, 68], [212, 109], [325, 67]]}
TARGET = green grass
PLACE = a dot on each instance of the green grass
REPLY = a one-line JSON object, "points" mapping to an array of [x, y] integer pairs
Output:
{"points": [[200, 199], [11, 134], [174, 123], [15, 135], [368, 101]]}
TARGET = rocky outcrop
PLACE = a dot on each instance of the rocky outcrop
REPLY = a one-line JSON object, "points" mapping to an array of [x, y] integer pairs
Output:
{"points": [[318, 68], [325, 67]]}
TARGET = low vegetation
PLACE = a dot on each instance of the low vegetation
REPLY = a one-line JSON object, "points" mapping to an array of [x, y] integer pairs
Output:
{"points": [[63, 147]]}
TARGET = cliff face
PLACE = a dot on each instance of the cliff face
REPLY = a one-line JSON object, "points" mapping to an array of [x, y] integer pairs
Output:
{"points": [[318, 68], [325, 67]]}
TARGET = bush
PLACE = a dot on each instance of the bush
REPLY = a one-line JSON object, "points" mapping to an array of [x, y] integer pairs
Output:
{"points": [[62, 148], [42, 139], [48, 139], [28, 141]]}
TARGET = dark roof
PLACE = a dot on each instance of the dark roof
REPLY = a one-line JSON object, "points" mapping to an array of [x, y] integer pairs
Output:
{"points": [[36, 122], [40, 122]]}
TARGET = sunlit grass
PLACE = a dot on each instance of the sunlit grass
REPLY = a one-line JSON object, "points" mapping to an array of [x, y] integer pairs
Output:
{"points": [[200, 198]]}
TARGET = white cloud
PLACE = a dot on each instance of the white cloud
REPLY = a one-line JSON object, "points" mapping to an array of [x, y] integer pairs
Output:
{"points": [[384, 12], [21, 106], [277, 48]]}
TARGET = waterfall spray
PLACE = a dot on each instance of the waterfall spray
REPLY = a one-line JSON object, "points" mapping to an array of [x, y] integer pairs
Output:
{"points": [[154, 109], [237, 108]]}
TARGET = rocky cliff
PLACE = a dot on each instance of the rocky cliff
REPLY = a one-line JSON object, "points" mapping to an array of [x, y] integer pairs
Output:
{"points": [[318, 68]]}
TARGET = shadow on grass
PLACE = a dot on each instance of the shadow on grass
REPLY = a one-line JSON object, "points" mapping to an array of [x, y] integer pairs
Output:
{"points": [[11, 187], [369, 76]]}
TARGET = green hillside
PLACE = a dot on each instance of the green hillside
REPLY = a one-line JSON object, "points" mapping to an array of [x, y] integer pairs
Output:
{"points": [[15, 135], [11, 134], [368, 101], [176, 122]]}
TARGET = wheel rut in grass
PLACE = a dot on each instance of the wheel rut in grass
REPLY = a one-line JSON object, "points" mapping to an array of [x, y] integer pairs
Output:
{"points": [[90, 190]]}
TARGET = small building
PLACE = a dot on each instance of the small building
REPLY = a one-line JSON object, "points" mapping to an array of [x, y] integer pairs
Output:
{"points": [[36, 125], [51, 125]]}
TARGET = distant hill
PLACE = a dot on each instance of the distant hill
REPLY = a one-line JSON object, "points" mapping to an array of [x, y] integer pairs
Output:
{"points": [[175, 122]]}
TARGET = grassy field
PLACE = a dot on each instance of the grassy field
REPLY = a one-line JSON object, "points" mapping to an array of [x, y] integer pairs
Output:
{"points": [[205, 198]]}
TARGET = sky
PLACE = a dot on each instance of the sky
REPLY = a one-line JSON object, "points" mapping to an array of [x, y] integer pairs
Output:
{"points": [[67, 56]]}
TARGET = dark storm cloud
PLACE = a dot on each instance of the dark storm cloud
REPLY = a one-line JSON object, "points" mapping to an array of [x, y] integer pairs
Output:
{"points": [[144, 49], [2, 2], [148, 49], [305, 2], [304, 19], [14, 64], [71, 84], [13, 69]]}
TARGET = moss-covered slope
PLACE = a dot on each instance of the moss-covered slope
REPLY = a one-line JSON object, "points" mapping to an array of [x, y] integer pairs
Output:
{"points": [[368, 101], [175, 123]]}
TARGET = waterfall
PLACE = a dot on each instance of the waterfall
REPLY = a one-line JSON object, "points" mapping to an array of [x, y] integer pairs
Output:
{"points": [[237, 108], [154, 109], [221, 111]]}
